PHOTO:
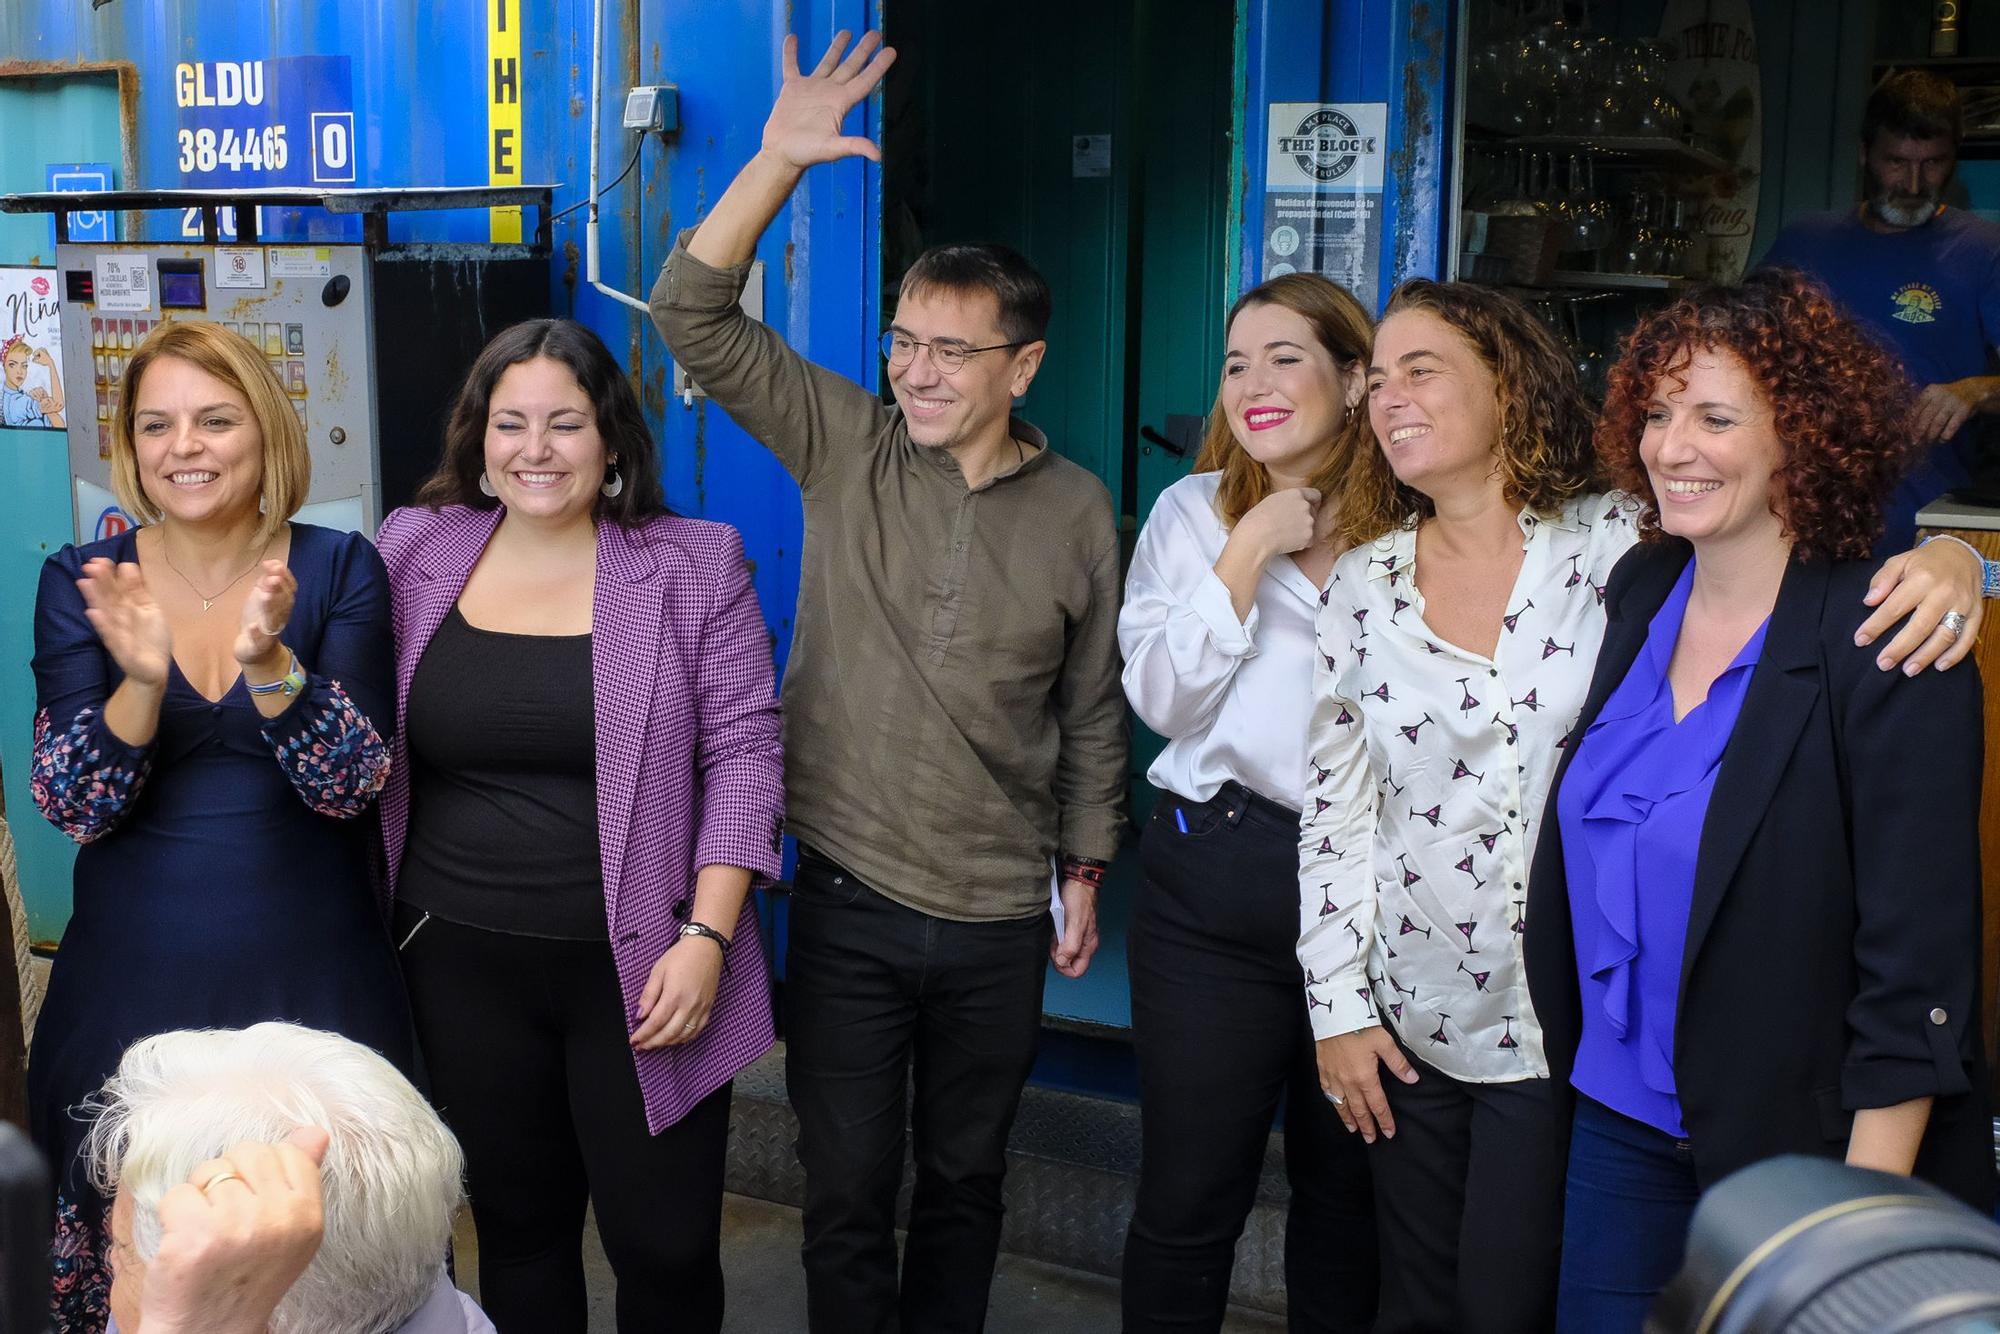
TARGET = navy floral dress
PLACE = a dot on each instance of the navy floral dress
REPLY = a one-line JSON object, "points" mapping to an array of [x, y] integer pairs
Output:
{"points": [[224, 872]]}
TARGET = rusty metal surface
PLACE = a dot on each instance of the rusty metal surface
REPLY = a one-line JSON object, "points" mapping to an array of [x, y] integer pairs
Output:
{"points": [[1416, 161]]}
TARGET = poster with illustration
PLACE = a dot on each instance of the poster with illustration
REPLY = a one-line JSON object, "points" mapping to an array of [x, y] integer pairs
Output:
{"points": [[31, 381]]}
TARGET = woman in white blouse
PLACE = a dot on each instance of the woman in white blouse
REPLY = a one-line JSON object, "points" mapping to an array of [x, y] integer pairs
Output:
{"points": [[1454, 648], [1217, 636]]}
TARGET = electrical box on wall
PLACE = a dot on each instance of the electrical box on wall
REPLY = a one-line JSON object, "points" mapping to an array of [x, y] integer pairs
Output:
{"points": [[653, 107]]}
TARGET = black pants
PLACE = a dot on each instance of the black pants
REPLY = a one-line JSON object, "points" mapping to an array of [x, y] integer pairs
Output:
{"points": [[1219, 1023], [1470, 1202], [872, 988], [525, 1042]]}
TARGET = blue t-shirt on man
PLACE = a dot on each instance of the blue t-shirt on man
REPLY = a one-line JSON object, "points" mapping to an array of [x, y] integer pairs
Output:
{"points": [[1933, 293]]}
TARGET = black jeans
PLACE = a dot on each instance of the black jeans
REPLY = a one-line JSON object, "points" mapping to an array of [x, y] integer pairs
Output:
{"points": [[525, 1042], [1219, 1022], [872, 988], [1470, 1203]]}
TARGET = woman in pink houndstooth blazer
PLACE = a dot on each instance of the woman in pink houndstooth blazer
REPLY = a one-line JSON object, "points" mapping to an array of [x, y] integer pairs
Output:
{"points": [[586, 787]]}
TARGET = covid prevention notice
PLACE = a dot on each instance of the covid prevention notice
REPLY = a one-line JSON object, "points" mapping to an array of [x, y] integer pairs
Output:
{"points": [[246, 124], [1323, 192]]}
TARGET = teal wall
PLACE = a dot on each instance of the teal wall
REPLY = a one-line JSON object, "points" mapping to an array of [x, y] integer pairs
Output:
{"points": [[71, 119], [34, 521]]}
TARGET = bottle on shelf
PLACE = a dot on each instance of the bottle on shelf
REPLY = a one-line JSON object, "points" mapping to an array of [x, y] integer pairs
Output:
{"points": [[1944, 28]]}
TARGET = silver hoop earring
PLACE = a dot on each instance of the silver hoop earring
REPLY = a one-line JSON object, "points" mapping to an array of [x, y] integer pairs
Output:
{"points": [[614, 485], [486, 486]]}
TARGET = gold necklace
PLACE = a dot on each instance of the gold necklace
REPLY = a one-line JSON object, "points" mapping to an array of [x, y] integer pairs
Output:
{"points": [[208, 600]]}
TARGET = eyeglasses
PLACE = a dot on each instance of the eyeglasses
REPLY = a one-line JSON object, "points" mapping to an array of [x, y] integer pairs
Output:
{"points": [[901, 350]]}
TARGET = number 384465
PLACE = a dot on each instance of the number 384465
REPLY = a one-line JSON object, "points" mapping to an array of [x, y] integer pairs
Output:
{"points": [[208, 149]]}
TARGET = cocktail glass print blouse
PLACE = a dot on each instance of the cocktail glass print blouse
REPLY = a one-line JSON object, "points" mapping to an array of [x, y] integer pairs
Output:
{"points": [[1430, 767]]}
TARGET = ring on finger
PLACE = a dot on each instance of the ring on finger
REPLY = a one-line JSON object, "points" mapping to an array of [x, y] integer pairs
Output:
{"points": [[1953, 623], [224, 1175]]}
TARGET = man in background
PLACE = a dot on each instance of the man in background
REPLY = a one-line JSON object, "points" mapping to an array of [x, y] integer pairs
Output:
{"points": [[1922, 275]]}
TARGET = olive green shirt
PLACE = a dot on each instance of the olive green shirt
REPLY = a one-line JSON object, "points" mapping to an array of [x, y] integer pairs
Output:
{"points": [[953, 717]]}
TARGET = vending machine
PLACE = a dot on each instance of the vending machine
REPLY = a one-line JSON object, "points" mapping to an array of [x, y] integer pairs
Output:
{"points": [[368, 338]]}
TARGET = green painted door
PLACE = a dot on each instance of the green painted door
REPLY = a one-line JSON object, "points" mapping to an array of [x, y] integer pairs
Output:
{"points": [[47, 120], [1095, 139]]}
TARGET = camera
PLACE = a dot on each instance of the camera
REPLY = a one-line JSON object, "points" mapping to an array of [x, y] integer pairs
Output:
{"points": [[1801, 1245]]}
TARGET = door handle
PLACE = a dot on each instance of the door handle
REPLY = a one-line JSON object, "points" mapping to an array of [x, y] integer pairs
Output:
{"points": [[1182, 438]]}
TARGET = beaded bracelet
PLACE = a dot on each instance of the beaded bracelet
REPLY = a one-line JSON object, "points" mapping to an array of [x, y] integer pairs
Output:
{"points": [[1989, 570]]}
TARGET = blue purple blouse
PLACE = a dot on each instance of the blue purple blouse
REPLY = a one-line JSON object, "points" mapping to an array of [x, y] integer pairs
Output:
{"points": [[1631, 810]]}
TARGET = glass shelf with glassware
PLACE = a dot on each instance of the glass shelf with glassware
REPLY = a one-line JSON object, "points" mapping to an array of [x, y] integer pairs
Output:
{"points": [[1581, 169], [1655, 152], [1528, 217]]}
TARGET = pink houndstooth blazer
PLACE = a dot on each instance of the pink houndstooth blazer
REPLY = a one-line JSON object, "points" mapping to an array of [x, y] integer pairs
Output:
{"points": [[689, 769]]}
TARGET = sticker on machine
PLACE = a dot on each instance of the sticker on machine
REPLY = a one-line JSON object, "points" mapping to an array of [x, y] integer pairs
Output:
{"points": [[31, 382], [239, 266], [300, 261], [124, 282], [98, 514]]}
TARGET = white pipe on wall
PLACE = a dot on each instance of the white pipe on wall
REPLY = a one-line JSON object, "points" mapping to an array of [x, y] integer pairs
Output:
{"points": [[596, 122]]}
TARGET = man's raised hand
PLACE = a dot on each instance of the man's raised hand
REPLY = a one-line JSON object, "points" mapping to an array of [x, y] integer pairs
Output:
{"points": [[804, 125]]}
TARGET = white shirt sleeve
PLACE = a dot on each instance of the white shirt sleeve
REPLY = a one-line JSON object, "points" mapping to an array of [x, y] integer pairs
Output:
{"points": [[1178, 628], [1337, 897]]}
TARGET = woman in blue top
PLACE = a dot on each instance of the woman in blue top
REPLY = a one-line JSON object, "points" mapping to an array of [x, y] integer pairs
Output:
{"points": [[1755, 910], [208, 689]]}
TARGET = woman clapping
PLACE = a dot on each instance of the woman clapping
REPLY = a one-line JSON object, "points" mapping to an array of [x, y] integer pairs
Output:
{"points": [[209, 689]]}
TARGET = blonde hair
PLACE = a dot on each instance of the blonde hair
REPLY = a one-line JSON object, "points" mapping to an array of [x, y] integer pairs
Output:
{"points": [[1339, 325], [230, 358]]}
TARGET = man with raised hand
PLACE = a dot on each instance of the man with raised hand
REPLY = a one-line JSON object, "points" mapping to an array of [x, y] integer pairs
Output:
{"points": [[954, 729]]}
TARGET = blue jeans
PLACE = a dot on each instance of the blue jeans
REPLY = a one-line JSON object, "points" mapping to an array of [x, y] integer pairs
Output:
{"points": [[1630, 1196]]}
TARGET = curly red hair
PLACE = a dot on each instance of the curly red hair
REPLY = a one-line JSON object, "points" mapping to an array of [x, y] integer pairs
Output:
{"points": [[1840, 403]]}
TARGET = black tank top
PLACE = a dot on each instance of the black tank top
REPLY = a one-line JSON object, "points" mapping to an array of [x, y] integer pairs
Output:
{"points": [[503, 784]]}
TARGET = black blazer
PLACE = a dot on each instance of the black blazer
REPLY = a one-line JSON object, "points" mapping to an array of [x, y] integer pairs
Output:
{"points": [[1832, 954]]}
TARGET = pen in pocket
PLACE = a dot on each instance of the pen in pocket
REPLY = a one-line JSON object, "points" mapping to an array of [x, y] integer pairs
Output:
{"points": [[1180, 819]]}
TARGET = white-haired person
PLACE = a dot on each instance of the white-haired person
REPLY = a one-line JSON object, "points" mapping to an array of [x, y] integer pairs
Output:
{"points": [[193, 1121]]}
